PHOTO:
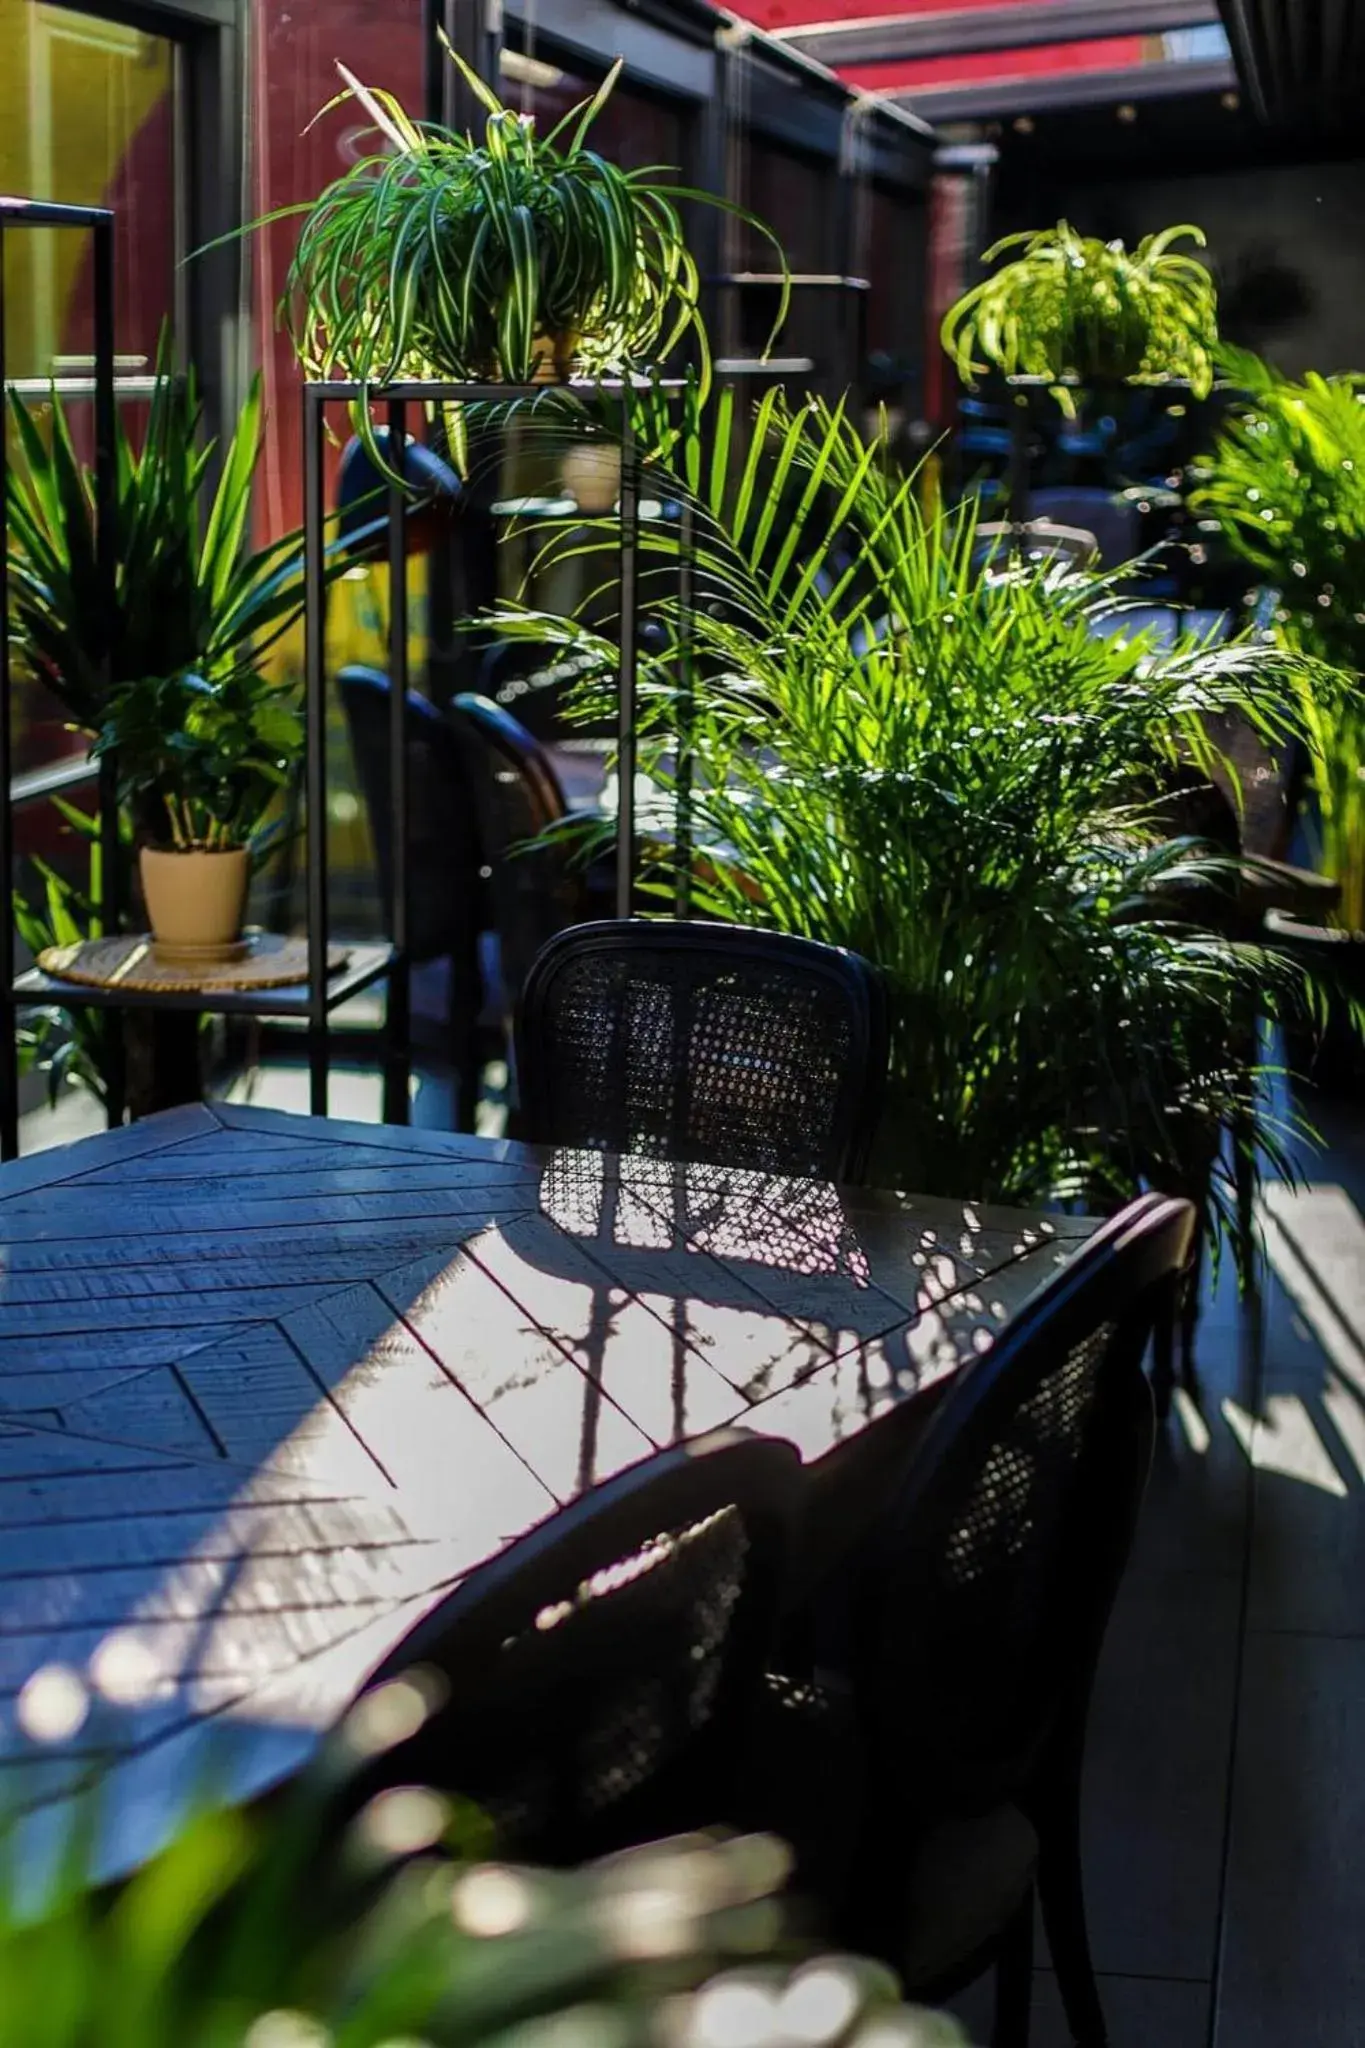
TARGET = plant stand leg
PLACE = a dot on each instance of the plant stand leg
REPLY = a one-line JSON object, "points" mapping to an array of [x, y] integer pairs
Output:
{"points": [[1014, 1981], [397, 1047], [163, 1067]]}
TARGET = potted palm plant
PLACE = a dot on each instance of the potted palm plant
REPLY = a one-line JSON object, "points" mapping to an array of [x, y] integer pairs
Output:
{"points": [[1286, 482], [1075, 310], [951, 772], [512, 257]]}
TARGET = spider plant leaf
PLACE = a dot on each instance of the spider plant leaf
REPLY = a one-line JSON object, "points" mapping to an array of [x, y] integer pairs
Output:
{"points": [[583, 117], [385, 111], [481, 90]]}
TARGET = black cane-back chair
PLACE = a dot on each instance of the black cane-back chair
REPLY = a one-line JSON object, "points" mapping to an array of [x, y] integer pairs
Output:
{"points": [[707, 1043], [447, 895], [598, 1678], [536, 885], [979, 1604]]}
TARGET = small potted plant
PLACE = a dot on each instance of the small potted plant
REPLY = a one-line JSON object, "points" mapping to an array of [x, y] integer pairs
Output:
{"points": [[203, 760], [513, 257], [1076, 310]]}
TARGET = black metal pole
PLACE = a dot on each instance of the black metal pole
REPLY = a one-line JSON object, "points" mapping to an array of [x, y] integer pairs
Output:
{"points": [[111, 894], [684, 765], [1021, 437], [397, 1003], [9, 1051], [625, 706], [315, 744]]}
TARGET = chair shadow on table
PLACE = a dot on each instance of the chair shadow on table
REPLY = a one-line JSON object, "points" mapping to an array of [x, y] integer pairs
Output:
{"points": [[777, 1284]]}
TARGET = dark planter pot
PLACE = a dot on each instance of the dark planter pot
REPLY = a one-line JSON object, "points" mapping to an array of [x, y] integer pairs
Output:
{"points": [[1334, 1060]]}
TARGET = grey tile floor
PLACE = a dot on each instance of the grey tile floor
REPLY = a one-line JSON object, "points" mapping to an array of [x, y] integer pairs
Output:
{"points": [[1225, 1791], [1225, 1780]]}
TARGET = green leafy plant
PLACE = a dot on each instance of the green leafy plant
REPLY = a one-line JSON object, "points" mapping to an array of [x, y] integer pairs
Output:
{"points": [[1286, 482], [952, 773], [290, 1929], [1070, 308], [188, 597], [444, 256], [65, 1047], [207, 759]]}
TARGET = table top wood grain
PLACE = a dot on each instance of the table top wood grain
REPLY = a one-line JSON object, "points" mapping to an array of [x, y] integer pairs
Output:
{"points": [[269, 1384]]}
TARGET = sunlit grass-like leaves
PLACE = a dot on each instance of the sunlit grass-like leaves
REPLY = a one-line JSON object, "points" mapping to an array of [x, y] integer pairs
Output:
{"points": [[953, 774]]}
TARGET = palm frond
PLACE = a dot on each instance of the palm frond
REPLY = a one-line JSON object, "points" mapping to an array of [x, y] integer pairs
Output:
{"points": [[952, 773]]}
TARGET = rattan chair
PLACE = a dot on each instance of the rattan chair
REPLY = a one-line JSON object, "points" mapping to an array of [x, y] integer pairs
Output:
{"points": [[599, 1676], [971, 1619], [705, 1043]]}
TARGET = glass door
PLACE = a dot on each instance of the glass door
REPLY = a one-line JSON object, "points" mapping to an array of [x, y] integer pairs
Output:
{"points": [[91, 120]]}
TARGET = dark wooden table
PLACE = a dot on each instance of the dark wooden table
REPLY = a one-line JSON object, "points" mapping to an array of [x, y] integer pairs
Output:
{"points": [[270, 1383]]}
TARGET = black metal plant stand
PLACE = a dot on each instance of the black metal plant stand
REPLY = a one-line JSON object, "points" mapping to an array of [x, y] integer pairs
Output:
{"points": [[98, 221], [394, 400]]}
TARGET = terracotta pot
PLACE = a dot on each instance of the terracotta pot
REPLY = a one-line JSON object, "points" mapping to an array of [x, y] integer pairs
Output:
{"points": [[591, 475], [555, 356], [195, 900]]}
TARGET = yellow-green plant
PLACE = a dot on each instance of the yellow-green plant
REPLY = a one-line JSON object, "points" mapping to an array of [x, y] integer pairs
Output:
{"points": [[287, 1927], [1074, 309]]}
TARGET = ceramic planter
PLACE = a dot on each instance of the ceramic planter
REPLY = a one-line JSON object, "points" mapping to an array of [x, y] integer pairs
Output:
{"points": [[554, 360], [195, 901], [591, 475], [555, 357]]}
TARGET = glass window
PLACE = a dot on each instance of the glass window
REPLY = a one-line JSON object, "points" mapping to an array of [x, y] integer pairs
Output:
{"points": [[633, 128], [894, 251], [787, 192], [292, 157], [87, 117]]}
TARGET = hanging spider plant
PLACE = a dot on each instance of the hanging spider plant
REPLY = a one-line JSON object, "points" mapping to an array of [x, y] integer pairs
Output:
{"points": [[1077, 310], [513, 258]]}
